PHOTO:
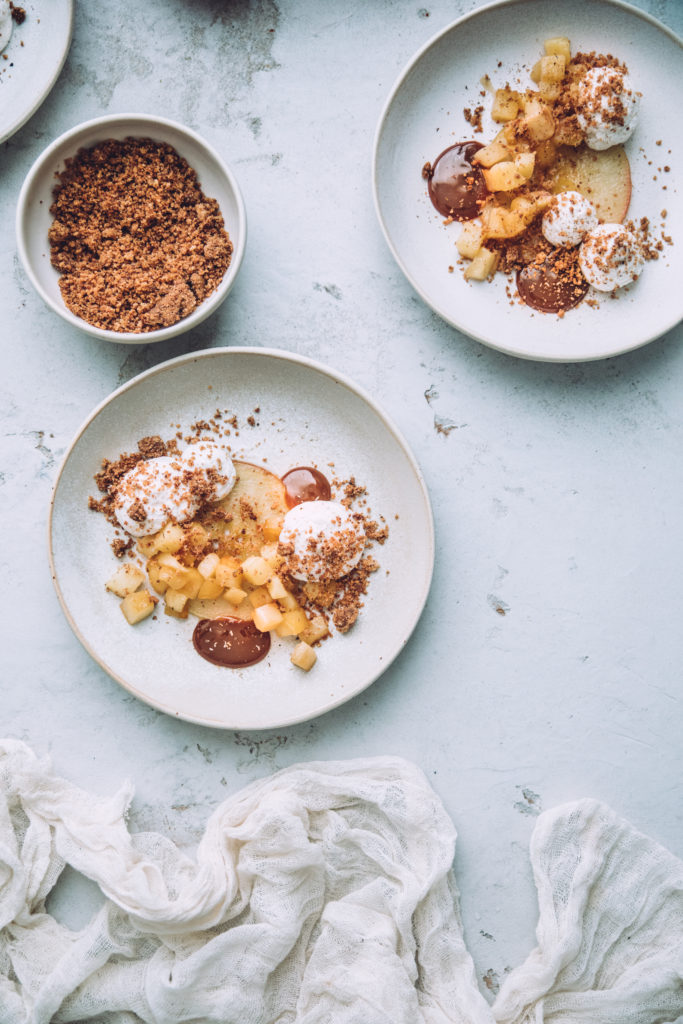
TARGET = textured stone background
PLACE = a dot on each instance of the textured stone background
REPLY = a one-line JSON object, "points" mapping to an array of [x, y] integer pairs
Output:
{"points": [[556, 488]]}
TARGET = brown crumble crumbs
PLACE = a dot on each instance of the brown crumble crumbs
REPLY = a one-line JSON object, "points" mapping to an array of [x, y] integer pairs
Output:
{"points": [[137, 243], [473, 117]]}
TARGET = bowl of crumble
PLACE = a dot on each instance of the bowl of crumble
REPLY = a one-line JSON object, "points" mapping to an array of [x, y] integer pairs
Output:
{"points": [[525, 177], [131, 227]]}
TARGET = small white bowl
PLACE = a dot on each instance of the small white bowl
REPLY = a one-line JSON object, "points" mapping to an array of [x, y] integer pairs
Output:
{"points": [[34, 218]]}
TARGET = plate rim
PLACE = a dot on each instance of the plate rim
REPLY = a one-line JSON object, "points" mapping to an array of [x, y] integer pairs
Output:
{"points": [[40, 99], [483, 339], [334, 376]]}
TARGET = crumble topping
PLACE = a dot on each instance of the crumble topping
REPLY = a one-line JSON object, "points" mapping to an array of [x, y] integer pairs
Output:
{"points": [[137, 243]]}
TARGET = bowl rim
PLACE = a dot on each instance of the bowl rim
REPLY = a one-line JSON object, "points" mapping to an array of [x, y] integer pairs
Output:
{"points": [[209, 305]]}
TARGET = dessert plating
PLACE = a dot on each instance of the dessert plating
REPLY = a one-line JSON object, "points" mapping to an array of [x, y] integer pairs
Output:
{"points": [[229, 542], [532, 199]]}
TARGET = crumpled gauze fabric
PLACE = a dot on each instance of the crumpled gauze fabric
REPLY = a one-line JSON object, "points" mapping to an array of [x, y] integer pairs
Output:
{"points": [[321, 895]]}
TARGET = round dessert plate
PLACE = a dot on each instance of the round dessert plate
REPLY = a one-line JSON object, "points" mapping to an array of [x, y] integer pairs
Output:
{"points": [[302, 414], [425, 114], [35, 55]]}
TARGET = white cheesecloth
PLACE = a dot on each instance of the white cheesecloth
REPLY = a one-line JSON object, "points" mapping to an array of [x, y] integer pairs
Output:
{"points": [[320, 895]]}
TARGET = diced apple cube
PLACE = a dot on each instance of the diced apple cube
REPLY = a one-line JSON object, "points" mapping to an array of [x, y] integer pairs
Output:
{"points": [[535, 73], [303, 656], [138, 606], [500, 222], [549, 91], [259, 596], [315, 630], [171, 571], [492, 154], [148, 546], [153, 573], [538, 121], [176, 604], [527, 207], [288, 603], [256, 570], [171, 538], [560, 46], [126, 580], [505, 105], [207, 566], [276, 588], [267, 617], [553, 68], [293, 623], [531, 204], [272, 527], [228, 572], [504, 177], [235, 596], [470, 239], [193, 585], [483, 265], [524, 162], [209, 590]]}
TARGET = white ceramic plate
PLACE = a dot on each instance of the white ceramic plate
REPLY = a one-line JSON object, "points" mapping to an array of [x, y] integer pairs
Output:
{"points": [[424, 115], [308, 415], [31, 69]]}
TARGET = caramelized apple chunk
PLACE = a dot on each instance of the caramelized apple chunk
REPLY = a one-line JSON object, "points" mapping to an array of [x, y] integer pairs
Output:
{"points": [[483, 265], [303, 656], [506, 105], [138, 606], [126, 580]]}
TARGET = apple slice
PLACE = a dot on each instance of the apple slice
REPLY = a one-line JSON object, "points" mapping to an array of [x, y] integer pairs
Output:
{"points": [[602, 176], [257, 499], [220, 608]]}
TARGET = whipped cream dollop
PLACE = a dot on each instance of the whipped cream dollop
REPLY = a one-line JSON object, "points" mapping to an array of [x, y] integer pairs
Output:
{"points": [[172, 487], [321, 541], [607, 107], [569, 217], [6, 22], [210, 458], [610, 257]]}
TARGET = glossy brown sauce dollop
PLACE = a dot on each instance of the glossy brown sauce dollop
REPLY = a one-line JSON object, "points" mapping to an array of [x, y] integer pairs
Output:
{"points": [[555, 285], [304, 483], [231, 642], [456, 187]]}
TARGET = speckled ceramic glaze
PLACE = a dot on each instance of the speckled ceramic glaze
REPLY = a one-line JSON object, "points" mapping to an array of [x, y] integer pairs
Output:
{"points": [[308, 415], [32, 60]]}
